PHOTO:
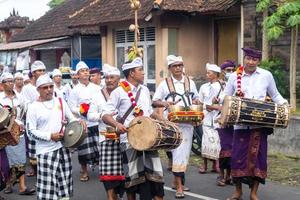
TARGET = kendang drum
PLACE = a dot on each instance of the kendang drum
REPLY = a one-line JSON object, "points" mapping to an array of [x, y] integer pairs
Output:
{"points": [[74, 134], [146, 134], [10, 135], [190, 115], [250, 112]]}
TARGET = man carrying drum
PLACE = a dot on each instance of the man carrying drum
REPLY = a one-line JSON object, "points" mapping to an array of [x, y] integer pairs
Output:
{"points": [[110, 160], [16, 155], [46, 118], [143, 170], [184, 93], [79, 102], [249, 150]]}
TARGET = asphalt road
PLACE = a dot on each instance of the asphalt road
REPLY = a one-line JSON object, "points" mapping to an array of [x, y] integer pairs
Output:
{"points": [[202, 187]]}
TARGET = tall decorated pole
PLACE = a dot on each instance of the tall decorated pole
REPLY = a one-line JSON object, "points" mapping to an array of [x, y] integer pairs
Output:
{"points": [[135, 51]]}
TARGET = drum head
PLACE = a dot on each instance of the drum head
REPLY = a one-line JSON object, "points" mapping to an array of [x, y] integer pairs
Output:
{"points": [[4, 118], [225, 110], [73, 134], [142, 133]]}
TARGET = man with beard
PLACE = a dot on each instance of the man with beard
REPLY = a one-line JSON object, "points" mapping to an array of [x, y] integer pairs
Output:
{"points": [[110, 161]]}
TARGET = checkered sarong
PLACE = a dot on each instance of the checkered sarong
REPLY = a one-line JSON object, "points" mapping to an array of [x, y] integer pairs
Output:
{"points": [[110, 163], [31, 145], [140, 165], [54, 176], [88, 151]]}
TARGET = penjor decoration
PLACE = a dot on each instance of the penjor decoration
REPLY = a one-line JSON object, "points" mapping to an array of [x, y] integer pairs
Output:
{"points": [[135, 51]]}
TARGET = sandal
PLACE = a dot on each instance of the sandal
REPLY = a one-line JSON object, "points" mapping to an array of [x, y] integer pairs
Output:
{"points": [[221, 181], [8, 190], [30, 174], [202, 170], [179, 195], [84, 178], [27, 192], [186, 189]]}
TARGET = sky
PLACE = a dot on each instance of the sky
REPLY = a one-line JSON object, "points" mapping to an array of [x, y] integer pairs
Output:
{"points": [[29, 8]]}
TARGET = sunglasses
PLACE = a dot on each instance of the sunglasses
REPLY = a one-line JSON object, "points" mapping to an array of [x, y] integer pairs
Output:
{"points": [[8, 81], [47, 87]]}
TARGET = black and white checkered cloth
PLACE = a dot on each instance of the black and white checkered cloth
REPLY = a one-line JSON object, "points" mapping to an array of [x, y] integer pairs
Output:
{"points": [[88, 151], [54, 177], [140, 165], [110, 163], [31, 145]]}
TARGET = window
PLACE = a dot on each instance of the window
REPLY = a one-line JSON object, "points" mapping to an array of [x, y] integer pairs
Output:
{"points": [[124, 40]]}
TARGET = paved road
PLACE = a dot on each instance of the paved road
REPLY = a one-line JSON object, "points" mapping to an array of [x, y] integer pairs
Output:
{"points": [[202, 187]]}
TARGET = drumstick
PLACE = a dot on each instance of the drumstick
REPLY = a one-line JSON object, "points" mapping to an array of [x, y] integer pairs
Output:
{"points": [[174, 103], [138, 122]]}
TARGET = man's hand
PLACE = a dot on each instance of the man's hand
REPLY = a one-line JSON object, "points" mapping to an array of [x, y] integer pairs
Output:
{"points": [[56, 136], [82, 122], [196, 102], [120, 128]]}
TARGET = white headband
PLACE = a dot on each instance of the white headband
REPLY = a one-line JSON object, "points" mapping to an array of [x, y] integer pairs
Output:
{"points": [[213, 67], [171, 59], [110, 70], [43, 79], [137, 62]]}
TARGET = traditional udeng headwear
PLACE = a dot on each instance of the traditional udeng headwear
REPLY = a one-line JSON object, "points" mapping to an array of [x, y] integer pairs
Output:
{"points": [[110, 70], [26, 77], [18, 75], [37, 65], [56, 72], [252, 52], [171, 60], [43, 79], [228, 63], [213, 67], [81, 65], [5, 76], [137, 62], [95, 71]]}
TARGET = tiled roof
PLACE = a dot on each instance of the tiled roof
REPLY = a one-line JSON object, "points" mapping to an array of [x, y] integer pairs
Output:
{"points": [[106, 11], [55, 23], [15, 21]]}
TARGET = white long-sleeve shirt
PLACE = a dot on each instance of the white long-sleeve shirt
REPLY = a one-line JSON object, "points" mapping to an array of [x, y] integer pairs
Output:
{"points": [[45, 118], [95, 112], [120, 101], [30, 93], [255, 86], [83, 94]]}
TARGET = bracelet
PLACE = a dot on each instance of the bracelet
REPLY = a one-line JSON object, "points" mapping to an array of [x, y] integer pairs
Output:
{"points": [[116, 128]]}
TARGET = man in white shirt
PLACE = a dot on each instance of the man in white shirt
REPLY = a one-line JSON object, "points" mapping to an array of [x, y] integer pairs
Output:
{"points": [[16, 154], [110, 161], [59, 89], [95, 77], [249, 149], [72, 84], [30, 94], [18, 78], [184, 94], [79, 101], [142, 169], [45, 118]]}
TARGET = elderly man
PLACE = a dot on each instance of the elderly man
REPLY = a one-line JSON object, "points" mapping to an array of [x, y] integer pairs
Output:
{"points": [[16, 154], [142, 169], [178, 89], [110, 161], [79, 101], [30, 94], [59, 89], [45, 118], [249, 149]]}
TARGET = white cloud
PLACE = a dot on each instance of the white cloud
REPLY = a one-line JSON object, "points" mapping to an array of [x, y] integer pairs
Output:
{"points": [[26, 8]]}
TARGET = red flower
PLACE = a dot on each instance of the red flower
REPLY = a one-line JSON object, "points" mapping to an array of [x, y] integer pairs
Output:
{"points": [[84, 108]]}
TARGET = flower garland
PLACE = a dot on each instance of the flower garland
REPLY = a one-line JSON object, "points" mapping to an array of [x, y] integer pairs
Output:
{"points": [[137, 111], [239, 72], [84, 108]]}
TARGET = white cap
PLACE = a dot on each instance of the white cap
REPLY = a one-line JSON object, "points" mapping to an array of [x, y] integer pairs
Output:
{"points": [[81, 65], [72, 72], [213, 67], [171, 59], [18, 75], [37, 65], [5, 76], [26, 77], [43, 79], [110, 70], [137, 62], [56, 72]]}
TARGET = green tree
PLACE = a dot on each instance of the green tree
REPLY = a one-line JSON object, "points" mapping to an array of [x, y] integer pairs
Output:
{"points": [[285, 17], [54, 3]]}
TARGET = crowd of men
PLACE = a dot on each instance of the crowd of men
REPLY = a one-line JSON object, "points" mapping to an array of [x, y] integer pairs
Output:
{"points": [[44, 106]]}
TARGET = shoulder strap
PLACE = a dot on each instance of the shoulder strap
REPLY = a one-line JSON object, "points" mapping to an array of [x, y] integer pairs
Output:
{"points": [[105, 94], [186, 85], [62, 113], [122, 120], [171, 87]]}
